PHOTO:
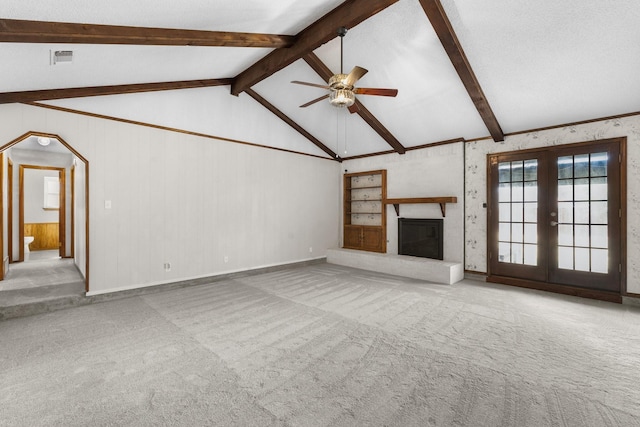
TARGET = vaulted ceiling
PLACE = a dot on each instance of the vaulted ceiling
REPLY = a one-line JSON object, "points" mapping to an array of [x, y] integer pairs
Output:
{"points": [[463, 68]]}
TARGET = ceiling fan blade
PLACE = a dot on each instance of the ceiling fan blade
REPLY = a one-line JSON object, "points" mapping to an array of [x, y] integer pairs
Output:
{"points": [[353, 108], [375, 91], [310, 84], [315, 100], [355, 75]]}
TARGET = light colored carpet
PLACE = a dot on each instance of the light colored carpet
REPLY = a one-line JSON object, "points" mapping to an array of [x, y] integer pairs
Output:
{"points": [[44, 268], [325, 346]]}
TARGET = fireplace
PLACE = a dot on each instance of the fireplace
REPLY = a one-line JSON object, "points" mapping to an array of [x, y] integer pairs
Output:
{"points": [[420, 237]]}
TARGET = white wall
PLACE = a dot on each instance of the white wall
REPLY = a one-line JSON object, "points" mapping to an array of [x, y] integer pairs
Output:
{"points": [[34, 197], [476, 184], [430, 172], [80, 218], [189, 201]]}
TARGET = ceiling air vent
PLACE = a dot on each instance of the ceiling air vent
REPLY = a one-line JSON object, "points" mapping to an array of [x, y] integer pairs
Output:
{"points": [[61, 57]]}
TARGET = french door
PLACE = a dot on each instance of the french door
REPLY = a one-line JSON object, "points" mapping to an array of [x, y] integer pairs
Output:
{"points": [[555, 216]]}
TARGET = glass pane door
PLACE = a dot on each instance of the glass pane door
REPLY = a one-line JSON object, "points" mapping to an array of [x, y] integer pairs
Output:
{"points": [[582, 213], [584, 219], [518, 212], [555, 215], [517, 215]]}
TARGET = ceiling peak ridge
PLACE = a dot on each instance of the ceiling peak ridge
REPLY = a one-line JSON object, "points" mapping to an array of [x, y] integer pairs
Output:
{"points": [[347, 15], [449, 40]]}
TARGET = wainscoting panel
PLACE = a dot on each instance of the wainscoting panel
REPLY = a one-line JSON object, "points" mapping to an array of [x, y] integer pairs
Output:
{"points": [[46, 235]]}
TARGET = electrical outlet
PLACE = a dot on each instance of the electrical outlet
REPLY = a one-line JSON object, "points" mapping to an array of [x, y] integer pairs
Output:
{"points": [[310, 249], [167, 266], [226, 259]]}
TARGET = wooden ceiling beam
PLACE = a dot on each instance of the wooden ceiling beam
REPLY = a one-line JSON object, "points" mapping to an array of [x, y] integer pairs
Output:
{"points": [[19, 31], [325, 73], [291, 123], [348, 14], [442, 26], [375, 124], [81, 92]]}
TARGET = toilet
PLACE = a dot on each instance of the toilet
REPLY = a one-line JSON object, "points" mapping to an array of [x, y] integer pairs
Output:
{"points": [[27, 241]]}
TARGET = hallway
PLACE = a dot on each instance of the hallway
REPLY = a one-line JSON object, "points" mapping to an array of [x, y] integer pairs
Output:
{"points": [[45, 278], [44, 268]]}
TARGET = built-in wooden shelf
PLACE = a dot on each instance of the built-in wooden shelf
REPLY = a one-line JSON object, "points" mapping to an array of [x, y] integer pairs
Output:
{"points": [[362, 188], [365, 219], [442, 201]]}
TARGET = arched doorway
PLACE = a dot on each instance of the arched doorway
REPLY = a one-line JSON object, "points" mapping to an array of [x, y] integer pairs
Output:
{"points": [[38, 150]]}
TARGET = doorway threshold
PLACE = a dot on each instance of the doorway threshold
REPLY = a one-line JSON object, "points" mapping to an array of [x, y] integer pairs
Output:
{"points": [[43, 299]]}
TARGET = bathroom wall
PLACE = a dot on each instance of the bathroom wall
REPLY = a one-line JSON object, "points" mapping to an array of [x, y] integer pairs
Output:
{"points": [[167, 206], [34, 211]]}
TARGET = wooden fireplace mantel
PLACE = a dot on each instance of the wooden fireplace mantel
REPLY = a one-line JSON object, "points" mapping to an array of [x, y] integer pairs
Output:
{"points": [[442, 201]]}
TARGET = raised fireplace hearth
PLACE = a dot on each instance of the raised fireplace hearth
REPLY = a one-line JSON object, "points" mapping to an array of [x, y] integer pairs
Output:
{"points": [[420, 237]]}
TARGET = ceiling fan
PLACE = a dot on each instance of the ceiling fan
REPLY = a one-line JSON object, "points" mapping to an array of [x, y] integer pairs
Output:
{"points": [[342, 92]]}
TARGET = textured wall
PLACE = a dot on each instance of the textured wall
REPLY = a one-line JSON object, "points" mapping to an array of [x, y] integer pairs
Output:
{"points": [[189, 201], [476, 184], [431, 172]]}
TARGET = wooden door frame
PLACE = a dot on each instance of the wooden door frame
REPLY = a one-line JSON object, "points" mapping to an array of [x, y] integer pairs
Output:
{"points": [[10, 209], [557, 288], [62, 211], [72, 246], [86, 194], [1, 215]]}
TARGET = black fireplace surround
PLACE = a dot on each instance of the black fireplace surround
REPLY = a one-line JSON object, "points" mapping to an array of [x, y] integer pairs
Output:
{"points": [[420, 237]]}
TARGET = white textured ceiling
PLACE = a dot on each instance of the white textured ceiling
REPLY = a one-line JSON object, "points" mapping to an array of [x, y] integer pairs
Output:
{"points": [[31, 144], [540, 63], [546, 62]]}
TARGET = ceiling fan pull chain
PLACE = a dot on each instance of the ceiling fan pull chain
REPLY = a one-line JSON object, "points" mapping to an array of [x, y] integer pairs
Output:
{"points": [[341, 55], [344, 118], [341, 122]]}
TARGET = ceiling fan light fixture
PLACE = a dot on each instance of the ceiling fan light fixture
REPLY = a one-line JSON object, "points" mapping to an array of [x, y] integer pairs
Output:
{"points": [[342, 98]]}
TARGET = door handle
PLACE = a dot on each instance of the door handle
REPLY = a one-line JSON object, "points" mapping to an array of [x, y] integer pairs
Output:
{"points": [[553, 223]]}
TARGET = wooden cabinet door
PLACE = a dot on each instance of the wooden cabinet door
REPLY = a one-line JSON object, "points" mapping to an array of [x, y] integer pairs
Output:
{"points": [[373, 239], [352, 237]]}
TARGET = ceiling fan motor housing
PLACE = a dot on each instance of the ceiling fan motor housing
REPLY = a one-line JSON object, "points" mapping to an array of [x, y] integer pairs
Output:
{"points": [[341, 94]]}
